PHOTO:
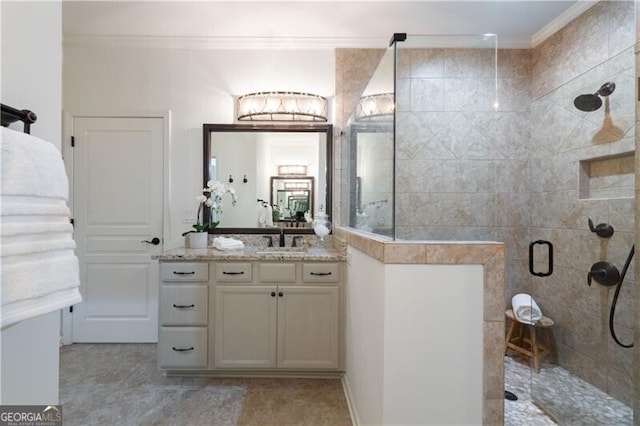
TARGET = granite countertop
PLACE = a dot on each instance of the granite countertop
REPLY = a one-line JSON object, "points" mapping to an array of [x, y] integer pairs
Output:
{"points": [[254, 253]]}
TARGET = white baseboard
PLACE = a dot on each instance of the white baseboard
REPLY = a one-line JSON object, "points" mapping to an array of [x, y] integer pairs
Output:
{"points": [[352, 409]]}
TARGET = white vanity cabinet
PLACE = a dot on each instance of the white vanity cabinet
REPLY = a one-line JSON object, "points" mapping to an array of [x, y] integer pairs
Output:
{"points": [[183, 337], [281, 316], [281, 320]]}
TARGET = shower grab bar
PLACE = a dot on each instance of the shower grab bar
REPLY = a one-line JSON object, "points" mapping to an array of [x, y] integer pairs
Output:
{"points": [[531, 258]]}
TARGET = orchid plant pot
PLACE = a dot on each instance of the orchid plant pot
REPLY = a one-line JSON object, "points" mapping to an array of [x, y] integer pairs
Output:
{"points": [[197, 240]]}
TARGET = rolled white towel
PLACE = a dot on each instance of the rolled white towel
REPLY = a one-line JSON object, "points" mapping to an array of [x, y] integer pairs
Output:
{"points": [[526, 309], [224, 244]]}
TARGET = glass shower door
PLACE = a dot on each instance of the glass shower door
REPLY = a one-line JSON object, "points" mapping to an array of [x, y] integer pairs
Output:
{"points": [[580, 159]]}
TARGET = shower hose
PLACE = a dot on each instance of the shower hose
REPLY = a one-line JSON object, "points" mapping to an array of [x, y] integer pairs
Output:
{"points": [[612, 312]]}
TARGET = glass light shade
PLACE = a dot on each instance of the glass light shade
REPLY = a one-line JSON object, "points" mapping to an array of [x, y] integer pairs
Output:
{"points": [[292, 170], [282, 106], [296, 185], [378, 107]]}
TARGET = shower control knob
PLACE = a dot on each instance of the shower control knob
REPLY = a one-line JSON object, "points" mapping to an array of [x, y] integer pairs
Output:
{"points": [[603, 230], [604, 273]]}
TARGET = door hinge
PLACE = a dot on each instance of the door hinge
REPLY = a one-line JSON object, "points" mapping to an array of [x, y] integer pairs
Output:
{"points": [[73, 141], [70, 309]]}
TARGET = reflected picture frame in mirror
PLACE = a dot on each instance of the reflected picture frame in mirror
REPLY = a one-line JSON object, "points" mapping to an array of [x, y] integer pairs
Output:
{"points": [[292, 199], [318, 199]]}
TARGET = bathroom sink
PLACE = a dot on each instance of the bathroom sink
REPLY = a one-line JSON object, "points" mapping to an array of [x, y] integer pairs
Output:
{"points": [[283, 250]]}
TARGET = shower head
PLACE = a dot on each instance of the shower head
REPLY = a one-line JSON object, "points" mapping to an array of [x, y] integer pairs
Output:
{"points": [[591, 102]]}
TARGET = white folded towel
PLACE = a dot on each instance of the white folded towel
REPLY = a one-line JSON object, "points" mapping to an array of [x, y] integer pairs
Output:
{"points": [[224, 244], [38, 268], [526, 309], [31, 166]]}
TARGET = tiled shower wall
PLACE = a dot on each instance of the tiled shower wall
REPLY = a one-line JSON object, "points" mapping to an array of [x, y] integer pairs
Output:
{"points": [[569, 152]]}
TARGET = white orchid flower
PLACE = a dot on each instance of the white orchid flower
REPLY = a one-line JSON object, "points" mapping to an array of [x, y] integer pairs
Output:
{"points": [[213, 201]]}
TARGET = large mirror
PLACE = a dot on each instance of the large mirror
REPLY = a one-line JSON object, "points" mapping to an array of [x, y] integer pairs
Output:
{"points": [[269, 165]]}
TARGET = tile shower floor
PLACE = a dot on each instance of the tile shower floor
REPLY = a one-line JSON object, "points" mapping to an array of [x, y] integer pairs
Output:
{"points": [[119, 384], [573, 401]]}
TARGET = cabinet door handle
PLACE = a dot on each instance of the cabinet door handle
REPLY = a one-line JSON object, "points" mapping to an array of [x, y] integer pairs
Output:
{"points": [[320, 273], [183, 349], [273, 294], [184, 306], [232, 273], [184, 273], [280, 294]]}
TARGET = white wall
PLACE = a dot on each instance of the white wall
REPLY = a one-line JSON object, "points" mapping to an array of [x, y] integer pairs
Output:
{"points": [[414, 342], [196, 85], [30, 361], [365, 336], [32, 63], [31, 79], [433, 344]]}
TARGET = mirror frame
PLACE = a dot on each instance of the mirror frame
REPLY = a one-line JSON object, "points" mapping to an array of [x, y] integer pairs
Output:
{"points": [[327, 129]]}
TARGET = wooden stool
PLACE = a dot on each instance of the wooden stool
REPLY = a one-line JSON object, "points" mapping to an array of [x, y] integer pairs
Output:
{"points": [[529, 346]]}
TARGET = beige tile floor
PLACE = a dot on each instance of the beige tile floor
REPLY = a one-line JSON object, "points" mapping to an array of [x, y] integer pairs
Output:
{"points": [[119, 384]]}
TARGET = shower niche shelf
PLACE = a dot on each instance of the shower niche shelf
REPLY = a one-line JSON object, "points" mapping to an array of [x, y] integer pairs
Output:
{"points": [[607, 177]]}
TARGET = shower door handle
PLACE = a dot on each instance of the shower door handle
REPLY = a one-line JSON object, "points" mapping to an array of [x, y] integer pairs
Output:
{"points": [[531, 258]]}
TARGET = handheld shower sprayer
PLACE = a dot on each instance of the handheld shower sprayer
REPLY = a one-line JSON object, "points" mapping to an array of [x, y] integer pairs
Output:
{"points": [[614, 302]]}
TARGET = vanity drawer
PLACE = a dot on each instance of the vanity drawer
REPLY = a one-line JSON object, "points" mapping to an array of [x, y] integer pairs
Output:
{"points": [[184, 271], [233, 272], [183, 304], [320, 272], [277, 272], [182, 347]]}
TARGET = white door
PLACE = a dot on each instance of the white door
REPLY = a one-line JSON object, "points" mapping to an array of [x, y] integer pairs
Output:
{"points": [[117, 188]]}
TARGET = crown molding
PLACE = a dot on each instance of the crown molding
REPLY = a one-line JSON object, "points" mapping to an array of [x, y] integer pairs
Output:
{"points": [[220, 43], [561, 21], [248, 43]]}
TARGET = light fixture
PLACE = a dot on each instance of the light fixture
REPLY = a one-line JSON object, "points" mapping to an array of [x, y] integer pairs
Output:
{"points": [[296, 185], [282, 106], [378, 106], [296, 170]]}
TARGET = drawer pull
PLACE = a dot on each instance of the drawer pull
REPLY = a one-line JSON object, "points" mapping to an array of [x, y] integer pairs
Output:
{"points": [[184, 306], [320, 273], [184, 273], [233, 273], [183, 350]]}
